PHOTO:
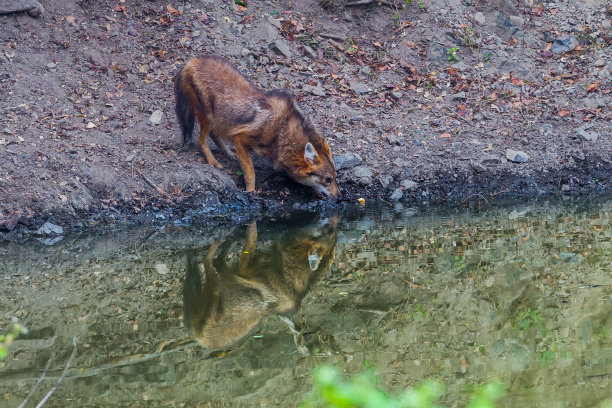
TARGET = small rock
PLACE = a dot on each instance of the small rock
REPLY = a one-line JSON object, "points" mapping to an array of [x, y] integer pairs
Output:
{"points": [[162, 269], [51, 66], [397, 194], [600, 62], [7, 131], [516, 21], [385, 180], [245, 52], [563, 44], [399, 162], [590, 137], [365, 70], [315, 90], [477, 167], [395, 139], [594, 103], [281, 47], [129, 158], [155, 118], [49, 229], [409, 185], [347, 161], [516, 156], [310, 52], [480, 18], [546, 129], [196, 33], [360, 88], [606, 24], [461, 97], [362, 171]]}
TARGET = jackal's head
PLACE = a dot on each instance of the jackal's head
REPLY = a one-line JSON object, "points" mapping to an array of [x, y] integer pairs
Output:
{"points": [[318, 170]]}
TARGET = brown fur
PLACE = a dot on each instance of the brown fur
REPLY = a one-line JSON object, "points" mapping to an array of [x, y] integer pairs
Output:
{"points": [[228, 107], [238, 291]]}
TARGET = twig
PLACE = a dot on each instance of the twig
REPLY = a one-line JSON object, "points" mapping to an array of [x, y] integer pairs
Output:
{"points": [[37, 383], [358, 3], [149, 182], [333, 36], [477, 195], [74, 343]]}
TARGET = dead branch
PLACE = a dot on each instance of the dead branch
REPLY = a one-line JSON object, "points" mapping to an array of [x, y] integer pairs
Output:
{"points": [[46, 397]]}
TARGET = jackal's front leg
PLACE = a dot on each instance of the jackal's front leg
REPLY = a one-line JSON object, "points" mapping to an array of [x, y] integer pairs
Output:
{"points": [[205, 127], [246, 163]]}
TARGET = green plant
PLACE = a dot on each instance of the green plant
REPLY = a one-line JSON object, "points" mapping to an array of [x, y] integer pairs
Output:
{"points": [[363, 390], [7, 339], [452, 54], [527, 319], [487, 56]]}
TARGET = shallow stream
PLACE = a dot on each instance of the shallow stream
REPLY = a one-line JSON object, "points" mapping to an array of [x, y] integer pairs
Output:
{"points": [[187, 316]]}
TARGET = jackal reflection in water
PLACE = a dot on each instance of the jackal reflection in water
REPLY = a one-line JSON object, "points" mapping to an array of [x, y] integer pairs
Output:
{"points": [[226, 295]]}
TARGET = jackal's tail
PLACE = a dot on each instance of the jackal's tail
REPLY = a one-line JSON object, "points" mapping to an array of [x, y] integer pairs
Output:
{"points": [[184, 111]]}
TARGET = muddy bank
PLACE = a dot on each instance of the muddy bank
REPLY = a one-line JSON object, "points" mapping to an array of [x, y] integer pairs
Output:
{"points": [[420, 104]]}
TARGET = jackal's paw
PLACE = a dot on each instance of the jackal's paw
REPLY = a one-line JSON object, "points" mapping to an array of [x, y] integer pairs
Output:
{"points": [[218, 165]]}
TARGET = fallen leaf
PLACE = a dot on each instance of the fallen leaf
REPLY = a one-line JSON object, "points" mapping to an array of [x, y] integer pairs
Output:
{"points": [[513, 41], [70, 19], [90, 125], [592, 87], [564, 113], [445, 136], [377, 44], [517, 81], [228, 20]]}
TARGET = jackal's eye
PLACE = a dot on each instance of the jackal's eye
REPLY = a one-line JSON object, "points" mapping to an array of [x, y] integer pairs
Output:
{"points": [[328, 180]]}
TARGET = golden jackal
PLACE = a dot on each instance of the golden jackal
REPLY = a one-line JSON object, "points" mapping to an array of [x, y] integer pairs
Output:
{"points": [[229, 107], [241, 287]]}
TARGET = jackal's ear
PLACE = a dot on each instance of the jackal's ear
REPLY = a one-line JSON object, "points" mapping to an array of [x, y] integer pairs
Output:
{"points": [[310, 154]]}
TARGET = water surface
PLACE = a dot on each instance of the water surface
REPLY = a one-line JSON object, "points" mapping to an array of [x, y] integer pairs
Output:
{"points": [[240, 316]]}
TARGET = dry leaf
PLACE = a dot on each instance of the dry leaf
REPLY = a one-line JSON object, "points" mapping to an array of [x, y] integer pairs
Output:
{"points": [[592, 87], [445, 135], [564, 113], [90, 125], [70, 19]]}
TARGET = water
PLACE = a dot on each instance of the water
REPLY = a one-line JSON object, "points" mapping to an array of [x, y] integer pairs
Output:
{"points": [[239, 317]]}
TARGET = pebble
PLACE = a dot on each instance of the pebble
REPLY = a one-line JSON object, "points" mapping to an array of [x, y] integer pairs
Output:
{"points": [[385, 180], [409, 185], [563, 44], [7, 131], [360, 88], [395, 139], [606, 24], [480, 18], [155, 118], [397, 194], [347, 161], [315, 90], [310, 52], [600, 62], [281, 47], [546, 129], [516, 21], [362, 172], [590, 137], [516, 156], [51, 66], [594, 103]]}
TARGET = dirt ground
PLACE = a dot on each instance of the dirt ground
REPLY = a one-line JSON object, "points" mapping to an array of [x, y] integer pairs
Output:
{"points": [[432, 101]]}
